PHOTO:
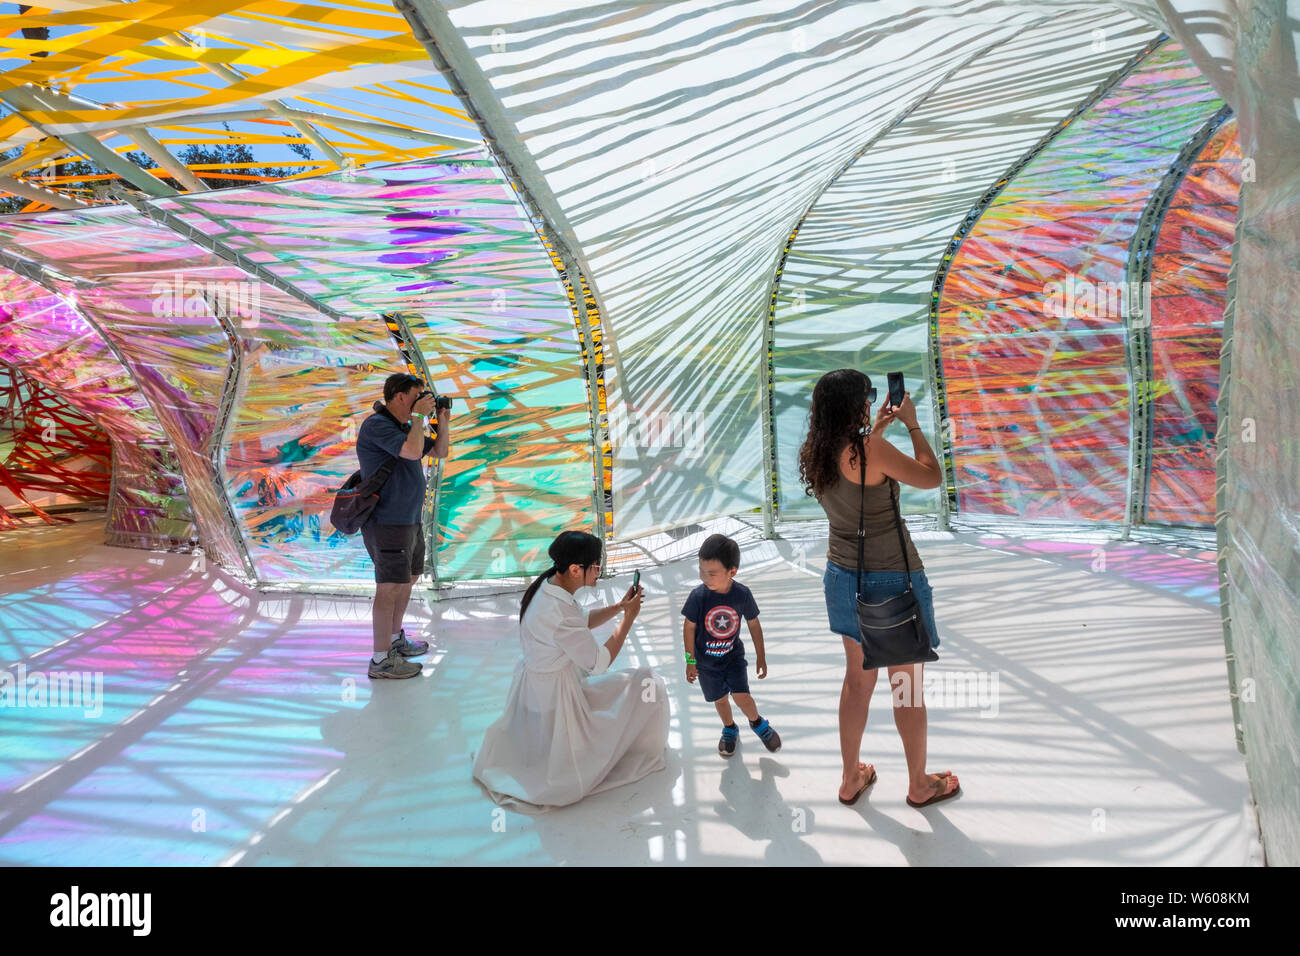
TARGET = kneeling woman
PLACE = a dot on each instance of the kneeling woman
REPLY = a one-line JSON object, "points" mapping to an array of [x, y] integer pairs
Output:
{"points": [[563, 737]]}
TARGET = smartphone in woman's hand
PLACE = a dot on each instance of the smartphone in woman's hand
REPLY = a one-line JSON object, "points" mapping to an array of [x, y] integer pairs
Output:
{"points": [[896, 391]]}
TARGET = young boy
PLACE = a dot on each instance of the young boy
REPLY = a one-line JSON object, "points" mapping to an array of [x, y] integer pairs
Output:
{"points": [[713, 611]]}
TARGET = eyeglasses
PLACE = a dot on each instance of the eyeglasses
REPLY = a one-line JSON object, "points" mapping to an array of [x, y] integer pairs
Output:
{"points": [[871, 395]]}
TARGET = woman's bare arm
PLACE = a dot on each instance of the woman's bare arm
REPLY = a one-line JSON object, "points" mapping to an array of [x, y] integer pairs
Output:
{"points": [[631, 606], [923, 471]]}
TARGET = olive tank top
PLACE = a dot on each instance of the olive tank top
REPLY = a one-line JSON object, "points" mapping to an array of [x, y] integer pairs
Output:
{"points": [[880, 552]]}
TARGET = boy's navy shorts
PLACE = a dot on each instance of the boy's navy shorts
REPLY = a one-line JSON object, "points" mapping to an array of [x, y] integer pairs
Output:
{"points": [[730, 675]]}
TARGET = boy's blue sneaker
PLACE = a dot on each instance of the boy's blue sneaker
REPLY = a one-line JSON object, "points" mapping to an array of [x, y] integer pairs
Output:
{"points": [[771, 739], [727, 743]]}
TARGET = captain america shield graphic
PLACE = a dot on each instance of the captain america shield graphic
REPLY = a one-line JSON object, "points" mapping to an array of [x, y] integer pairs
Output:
{"points": [[722, 623]]}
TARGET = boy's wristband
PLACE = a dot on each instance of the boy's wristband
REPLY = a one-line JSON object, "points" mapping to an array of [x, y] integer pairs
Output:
{"points": [[690, 659]]}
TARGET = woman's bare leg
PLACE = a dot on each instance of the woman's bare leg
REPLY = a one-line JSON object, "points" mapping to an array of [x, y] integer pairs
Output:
{"points": [[855, 698], [906, 690]]}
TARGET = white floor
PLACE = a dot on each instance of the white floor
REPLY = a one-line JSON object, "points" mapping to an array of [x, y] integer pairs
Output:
{"points": [[240, 728]]}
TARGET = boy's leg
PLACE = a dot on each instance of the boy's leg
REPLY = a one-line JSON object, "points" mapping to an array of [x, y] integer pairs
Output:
{"points": [[746, 704], [724, 710]]}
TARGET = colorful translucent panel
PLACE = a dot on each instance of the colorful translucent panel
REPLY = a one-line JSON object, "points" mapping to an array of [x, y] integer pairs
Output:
{"points": [[295, 388], [856, 287], [50, 454], [678, 145], [1189, 283], [144, 287], [54, 345], [1032, 332], [444, 243], [308, 383], [301, 375]]}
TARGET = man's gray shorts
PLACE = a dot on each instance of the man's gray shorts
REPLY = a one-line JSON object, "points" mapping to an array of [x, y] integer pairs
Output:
{"points": [[396, 549]]}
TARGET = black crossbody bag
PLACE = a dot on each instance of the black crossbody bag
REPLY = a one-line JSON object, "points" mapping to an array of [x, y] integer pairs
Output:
{"points": [[354, 502], [892, 632]]}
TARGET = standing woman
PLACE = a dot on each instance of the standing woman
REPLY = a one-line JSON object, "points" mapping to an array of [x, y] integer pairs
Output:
{"points": [[829, 467], [563, 737]]}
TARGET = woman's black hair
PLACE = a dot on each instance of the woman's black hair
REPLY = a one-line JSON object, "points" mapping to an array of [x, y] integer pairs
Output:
{"points": [[569, 547], [837, 417]]}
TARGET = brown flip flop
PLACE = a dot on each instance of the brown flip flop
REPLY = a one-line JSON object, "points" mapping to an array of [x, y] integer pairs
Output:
{"points": [[938, 797], [870, 781]]}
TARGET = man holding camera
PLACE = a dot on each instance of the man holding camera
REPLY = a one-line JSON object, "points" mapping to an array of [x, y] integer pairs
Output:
{"points": [[394, 532]]}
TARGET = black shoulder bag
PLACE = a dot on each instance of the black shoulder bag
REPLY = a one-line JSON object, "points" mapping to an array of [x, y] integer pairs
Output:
{"points": [[354, 502], [892, 632], [356, 499]]}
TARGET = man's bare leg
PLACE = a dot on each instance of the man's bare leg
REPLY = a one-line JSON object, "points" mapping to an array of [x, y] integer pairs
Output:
{"points": [[382, 611], [400, 603]]}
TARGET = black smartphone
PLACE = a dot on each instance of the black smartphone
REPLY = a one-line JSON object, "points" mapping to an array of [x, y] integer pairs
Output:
{"points": [[636, 579], [896, 394]]}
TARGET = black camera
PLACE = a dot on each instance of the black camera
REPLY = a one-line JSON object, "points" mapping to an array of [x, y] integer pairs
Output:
{"points": [[442, 401]]}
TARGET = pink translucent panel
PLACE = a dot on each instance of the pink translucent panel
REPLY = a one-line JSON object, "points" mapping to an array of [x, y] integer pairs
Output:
{"points": [[1038, 390], [143, 286], [1189, 285], [53, 344]]}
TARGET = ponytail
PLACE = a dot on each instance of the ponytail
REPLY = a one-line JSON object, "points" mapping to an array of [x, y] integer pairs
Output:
{"points": [[532, 589], [569, 548]]}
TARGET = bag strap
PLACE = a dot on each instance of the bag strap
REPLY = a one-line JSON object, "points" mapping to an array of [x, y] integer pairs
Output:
{"points": [[386, 469], [862, 508], [382, 473], [898, 523]]}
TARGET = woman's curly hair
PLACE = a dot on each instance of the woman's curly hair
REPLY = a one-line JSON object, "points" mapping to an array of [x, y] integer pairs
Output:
{"points": [[838, 416]]}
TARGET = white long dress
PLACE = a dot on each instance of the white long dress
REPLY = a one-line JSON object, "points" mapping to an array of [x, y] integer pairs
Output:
{"points": [[563, 736]]}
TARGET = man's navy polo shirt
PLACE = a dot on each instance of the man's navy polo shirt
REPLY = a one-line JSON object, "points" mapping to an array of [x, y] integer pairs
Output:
{"points": [[401, 500]]}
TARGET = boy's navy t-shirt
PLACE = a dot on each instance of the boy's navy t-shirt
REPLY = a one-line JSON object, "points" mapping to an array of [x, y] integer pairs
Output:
{"points": [[717, 621], [401, 500]]}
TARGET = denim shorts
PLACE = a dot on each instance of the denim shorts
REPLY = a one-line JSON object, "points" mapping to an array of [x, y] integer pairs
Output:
{"points": [[841, 587]]}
